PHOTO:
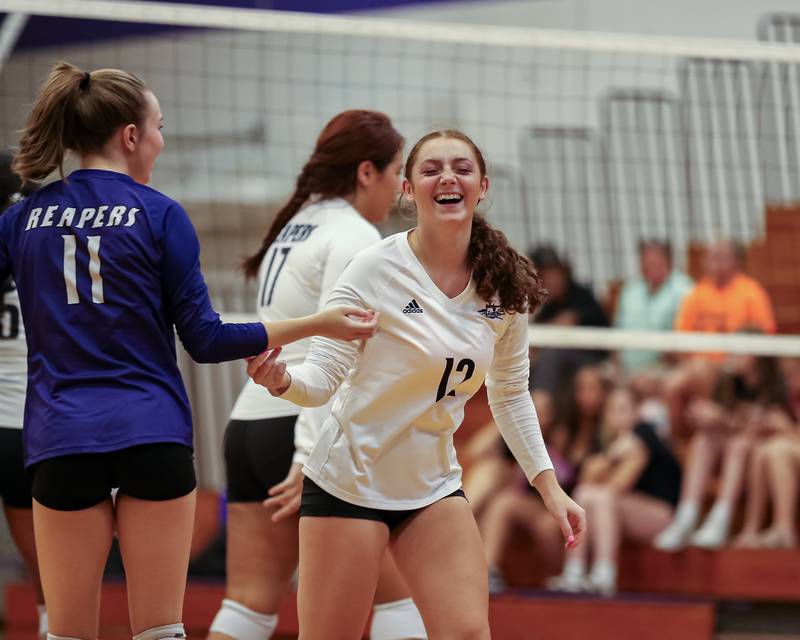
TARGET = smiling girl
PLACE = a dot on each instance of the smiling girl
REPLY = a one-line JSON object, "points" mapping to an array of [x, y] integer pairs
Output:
{"points": [[349, 183], [453, 298]]}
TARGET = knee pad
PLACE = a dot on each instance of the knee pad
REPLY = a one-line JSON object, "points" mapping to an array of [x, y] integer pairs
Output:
{"points": [[237, 621], [396, 620], [167, 632]]}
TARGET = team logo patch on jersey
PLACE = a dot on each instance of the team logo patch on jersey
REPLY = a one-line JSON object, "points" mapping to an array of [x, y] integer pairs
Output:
{"points": [[492, 311], [413, 307]]}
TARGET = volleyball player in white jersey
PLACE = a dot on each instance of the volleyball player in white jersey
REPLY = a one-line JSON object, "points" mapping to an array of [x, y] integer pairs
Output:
{"points": [[15, 485], [453, 298], [350, 181]]}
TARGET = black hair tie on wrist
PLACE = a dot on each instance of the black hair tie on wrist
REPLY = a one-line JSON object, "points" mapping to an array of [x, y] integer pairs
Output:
{"points": [[85, 80]]}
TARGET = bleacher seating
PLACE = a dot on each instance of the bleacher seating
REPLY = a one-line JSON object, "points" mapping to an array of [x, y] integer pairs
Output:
{"points": [[512, 617]]}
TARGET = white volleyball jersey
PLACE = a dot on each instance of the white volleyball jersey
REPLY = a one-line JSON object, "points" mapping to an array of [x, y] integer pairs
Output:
{"points": [[295, 277], [13, 359], [388, 442]]}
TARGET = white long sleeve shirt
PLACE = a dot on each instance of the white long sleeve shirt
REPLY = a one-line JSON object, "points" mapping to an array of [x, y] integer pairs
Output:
{"points": [[388, 441], [295, 277]]}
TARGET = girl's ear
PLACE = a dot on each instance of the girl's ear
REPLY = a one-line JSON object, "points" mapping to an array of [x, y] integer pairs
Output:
{"points": [[408, 190], [130, 137], [365, 173]]}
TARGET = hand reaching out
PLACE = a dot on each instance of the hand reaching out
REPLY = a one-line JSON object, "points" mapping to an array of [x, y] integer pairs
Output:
{"points": [[339, 323], [286, 494], [347, 323], [269, 372]]}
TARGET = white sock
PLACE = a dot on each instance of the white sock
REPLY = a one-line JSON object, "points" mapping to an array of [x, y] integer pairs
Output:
{"points": [[604, 572], [719, 517], [686, 515], [42, 611], [398, 620], [574, 568]]}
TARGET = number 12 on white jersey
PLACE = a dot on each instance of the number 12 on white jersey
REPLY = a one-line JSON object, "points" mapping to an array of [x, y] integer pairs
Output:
{"points": [[71, 269]]}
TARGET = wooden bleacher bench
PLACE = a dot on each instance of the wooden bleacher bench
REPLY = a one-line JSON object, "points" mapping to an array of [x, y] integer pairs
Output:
{"points": [[755, 575], [512, 617]]}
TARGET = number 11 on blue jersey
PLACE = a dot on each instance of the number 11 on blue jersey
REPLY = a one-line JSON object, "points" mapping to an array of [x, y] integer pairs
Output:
{"points": [[71, 269]]}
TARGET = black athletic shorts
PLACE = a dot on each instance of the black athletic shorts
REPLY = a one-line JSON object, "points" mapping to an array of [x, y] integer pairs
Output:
{"points": [[15, 484], [317, 502], [258, 455], [160, 471]]}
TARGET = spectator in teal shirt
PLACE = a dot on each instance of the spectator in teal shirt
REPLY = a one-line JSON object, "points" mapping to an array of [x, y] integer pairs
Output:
{"points": [[651, 301]]}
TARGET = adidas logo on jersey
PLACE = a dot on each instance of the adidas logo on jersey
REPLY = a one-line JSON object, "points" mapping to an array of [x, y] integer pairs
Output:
{"points": [[413, 307]]}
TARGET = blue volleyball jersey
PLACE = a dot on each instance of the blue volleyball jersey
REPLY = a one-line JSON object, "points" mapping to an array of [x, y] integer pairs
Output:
{"points": [[105, 267]]}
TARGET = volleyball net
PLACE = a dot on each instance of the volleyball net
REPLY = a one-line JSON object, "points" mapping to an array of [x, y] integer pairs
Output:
{"points": [[594, 141]]}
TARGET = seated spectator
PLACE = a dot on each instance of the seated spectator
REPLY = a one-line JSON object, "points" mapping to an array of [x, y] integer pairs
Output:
{"points": [[650, 302], [775, 475], [572, 434], [782, 467], [629, 492], [724, 301], [517, 504], [726, 427], [580, 414], [569, 304]]}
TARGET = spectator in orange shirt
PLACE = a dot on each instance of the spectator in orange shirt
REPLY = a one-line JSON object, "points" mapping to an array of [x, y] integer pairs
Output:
{"points": [[726, 300]]}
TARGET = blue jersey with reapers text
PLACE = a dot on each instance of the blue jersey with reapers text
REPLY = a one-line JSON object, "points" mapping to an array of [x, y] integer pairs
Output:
{"points": [[105, 267]]}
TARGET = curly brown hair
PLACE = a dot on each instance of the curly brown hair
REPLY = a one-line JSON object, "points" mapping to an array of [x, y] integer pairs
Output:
{"points": [[497, 268]]}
